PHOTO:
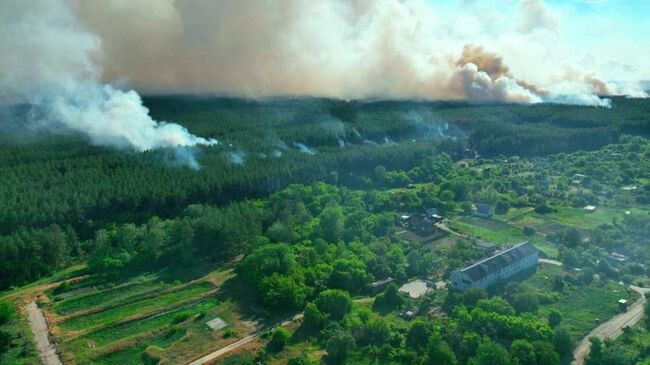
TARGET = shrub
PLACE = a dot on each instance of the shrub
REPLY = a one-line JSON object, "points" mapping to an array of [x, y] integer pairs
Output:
{"points": [[543, 209], [62, 288], [228, 332], [314, 319], [7, 311], [278, 340], [300, 360], [529, 231], [502, 207], [180, 317]]}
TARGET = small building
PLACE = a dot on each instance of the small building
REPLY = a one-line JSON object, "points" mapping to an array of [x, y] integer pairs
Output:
{"points": [[217, 324], [590, 209], [618, 257], [380, 284], [484, 210], [422, 224], [497, 268], [404, 219], [433, 214]]}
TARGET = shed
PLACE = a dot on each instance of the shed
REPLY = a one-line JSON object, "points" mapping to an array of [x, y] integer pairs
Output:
{"points": [[590, 209]]}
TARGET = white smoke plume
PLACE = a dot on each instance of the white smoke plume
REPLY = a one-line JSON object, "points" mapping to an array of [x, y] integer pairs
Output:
{"points": [[47, 59], [304, 148], [50, 51], [237, 157], [336, 48]]}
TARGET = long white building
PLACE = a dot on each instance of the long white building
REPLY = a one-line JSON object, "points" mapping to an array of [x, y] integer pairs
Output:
{"points": [[496, 268]]}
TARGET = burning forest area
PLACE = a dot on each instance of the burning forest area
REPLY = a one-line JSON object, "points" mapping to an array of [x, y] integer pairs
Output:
{"points": [[338, 182]]}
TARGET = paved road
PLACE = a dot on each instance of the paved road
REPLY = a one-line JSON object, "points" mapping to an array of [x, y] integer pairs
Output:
{"points": [[612, 328], [235, 345], [38, 324]]}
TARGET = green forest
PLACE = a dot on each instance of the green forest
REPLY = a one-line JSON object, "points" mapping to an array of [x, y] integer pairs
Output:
{"points": [[295, 212]]}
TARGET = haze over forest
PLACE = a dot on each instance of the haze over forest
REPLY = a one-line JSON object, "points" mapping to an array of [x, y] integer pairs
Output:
{"points": [[335, 182]]}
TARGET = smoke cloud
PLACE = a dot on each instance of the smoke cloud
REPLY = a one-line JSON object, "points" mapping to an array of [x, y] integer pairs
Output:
{"points": [[339, 48], [49, 60], [62, 56]]}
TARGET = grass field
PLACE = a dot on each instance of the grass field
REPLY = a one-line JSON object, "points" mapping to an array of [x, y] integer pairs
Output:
{"points": [[488, 230], [580, 305]]}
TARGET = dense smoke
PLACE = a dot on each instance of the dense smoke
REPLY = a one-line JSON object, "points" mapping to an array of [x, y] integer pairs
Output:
{"points": [[61, 56], [49, 61], [338, 48]]}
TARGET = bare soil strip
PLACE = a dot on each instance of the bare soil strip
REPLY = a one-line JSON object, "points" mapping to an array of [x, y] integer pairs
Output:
{"points": [[38, 324]]}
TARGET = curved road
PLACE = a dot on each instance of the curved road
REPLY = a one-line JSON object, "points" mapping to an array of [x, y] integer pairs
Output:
{"points": [[612, 328]]}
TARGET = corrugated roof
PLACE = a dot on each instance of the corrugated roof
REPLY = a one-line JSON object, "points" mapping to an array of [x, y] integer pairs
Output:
{"points": [[499, 261]]}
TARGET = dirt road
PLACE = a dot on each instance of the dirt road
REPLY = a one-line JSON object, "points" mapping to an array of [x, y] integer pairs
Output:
{"points": [[38, 324], [612, 328], [213, 355], [235, 345], [443, 227]]}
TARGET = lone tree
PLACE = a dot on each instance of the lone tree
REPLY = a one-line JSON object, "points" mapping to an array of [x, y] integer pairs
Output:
{"points": [[336, 303], [338, 346], [279, 340]]}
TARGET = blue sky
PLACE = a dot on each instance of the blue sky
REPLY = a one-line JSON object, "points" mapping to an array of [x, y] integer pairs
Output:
{"points": [[605, 32]]}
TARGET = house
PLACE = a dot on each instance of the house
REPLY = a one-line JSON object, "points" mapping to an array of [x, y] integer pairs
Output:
{"points": [[484, 211], [618, 257], [380, 284], [433, 214], [422, 224], [497, 268], [590, 209], [404, 219]]}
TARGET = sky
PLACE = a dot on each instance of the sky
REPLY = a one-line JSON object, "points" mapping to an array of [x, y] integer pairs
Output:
{"points": [[608, 36]]}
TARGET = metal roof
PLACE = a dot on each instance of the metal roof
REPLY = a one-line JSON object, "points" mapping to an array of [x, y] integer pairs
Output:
{"points": [[499, 261]]}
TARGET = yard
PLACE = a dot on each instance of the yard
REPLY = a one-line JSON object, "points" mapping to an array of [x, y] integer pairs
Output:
{"points": [[580, 306]]}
